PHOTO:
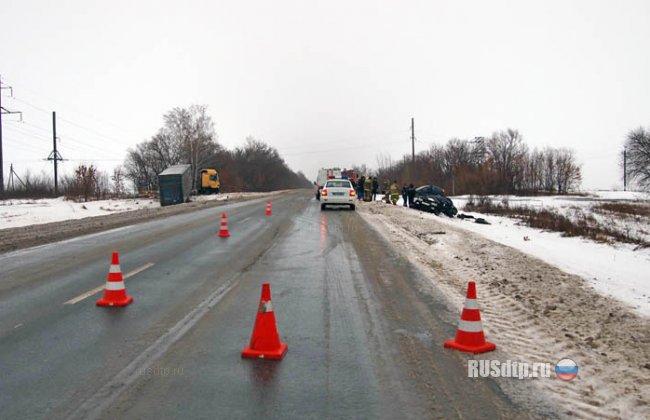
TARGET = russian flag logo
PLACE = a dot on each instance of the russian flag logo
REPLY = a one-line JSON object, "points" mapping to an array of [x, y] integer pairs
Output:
{"points": [[566, 369]]}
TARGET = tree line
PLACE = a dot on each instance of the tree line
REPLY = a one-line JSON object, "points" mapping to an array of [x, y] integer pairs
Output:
{"points": [[188, 137], [500, 164]]}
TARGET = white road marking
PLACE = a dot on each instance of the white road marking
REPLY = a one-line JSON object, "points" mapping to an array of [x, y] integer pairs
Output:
{"points": [[94, 406], [100, 288]]}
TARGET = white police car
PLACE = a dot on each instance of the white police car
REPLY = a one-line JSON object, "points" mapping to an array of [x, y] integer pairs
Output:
{"points": [[337, 192]]}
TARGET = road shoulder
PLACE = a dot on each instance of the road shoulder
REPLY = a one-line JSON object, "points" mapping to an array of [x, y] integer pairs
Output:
{"points": [[13, 239], [533, 312]]}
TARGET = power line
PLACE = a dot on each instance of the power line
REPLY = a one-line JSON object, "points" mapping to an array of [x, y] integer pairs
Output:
{"points": [[339, 140], [23, 146], [73, 123], [31, 134], [65, 138], [342, 149], [71, 108], [90, 130]]}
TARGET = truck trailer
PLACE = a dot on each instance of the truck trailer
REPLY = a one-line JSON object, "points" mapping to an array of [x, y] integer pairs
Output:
{"points": [[175, 184]]}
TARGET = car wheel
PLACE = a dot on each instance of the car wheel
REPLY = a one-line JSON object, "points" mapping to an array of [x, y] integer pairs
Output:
{"points": [[352, 207]]}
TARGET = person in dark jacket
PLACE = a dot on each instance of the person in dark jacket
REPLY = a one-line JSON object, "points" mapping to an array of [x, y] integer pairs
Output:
{"points": [[360, 184], [405, 195], [411, 194], [375, 188]]}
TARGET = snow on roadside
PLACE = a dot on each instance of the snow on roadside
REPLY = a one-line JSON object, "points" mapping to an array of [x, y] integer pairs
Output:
{"points": [[534, 312], [615, 270], [26, 212]]}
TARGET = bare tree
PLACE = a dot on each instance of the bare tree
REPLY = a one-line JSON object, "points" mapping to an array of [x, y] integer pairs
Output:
{"points": [[550, 170], [568, 174], [83, 183], [192, 131], [102, 184], [118, 181], [637, 145], [507, 151], [187, 136]]}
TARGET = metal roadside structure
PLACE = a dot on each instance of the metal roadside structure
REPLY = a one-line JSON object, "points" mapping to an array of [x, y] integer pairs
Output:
{"points": [[175, 184]]}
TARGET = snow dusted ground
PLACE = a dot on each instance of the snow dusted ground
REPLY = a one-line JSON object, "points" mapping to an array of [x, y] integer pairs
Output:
{"points": [[25, 212], [580, 207], [535, 311], [617, 270]]}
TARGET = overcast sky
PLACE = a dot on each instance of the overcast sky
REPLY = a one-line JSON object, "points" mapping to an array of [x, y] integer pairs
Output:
{"points": [[328, 83]]}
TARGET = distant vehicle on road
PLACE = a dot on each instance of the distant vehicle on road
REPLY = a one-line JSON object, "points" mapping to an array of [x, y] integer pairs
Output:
{"points": [[323, 175], [432, 199], [337, 192], [209, 182], [175, 184]]}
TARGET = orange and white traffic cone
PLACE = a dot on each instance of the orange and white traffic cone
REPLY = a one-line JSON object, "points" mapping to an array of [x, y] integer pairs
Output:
{"points": [[469, 335], [265, 342], [223, 230], [268, 211], [115, 292]]}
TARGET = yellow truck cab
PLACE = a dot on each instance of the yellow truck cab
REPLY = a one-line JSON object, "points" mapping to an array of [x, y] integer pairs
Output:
{"points": [[209, 182]]}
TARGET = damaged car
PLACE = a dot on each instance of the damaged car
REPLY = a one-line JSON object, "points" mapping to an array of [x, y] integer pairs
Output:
{"points": [[432, 199]]}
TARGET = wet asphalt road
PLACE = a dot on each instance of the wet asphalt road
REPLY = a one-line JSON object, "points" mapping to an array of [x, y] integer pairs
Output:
{"points": [[364, 330]]}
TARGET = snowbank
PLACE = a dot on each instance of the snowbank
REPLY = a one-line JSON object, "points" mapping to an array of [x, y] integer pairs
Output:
{"points": [[26, 212], [616, 270], [535, 311]]}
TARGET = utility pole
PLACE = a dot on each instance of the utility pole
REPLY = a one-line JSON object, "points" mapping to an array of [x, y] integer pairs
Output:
{"points": [[625, 169], [413, 140], [2, 112], [55, 156], [12, 176]]}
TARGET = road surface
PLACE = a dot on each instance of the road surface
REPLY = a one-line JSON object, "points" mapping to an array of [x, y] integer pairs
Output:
{"points": [[364, 332]]}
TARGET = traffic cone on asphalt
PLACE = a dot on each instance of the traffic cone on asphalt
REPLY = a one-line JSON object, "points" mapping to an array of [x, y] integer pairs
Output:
{"points": [[223, 230], [469, 335], [115, 292], [268, 211], [265, 341]]}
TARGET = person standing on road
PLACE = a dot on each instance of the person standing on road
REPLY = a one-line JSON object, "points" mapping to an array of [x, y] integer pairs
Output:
{"points": [[367, 187], [394, 192], [375, 188], [411, 195], [405, 195], [360, 185]]}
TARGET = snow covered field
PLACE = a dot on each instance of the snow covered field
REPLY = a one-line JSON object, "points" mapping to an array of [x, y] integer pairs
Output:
{"points": [[25, 212], [534, 309], [617, 270]]}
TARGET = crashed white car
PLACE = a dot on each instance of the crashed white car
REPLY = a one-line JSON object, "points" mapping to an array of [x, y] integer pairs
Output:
{"points": [[337, 192]]}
